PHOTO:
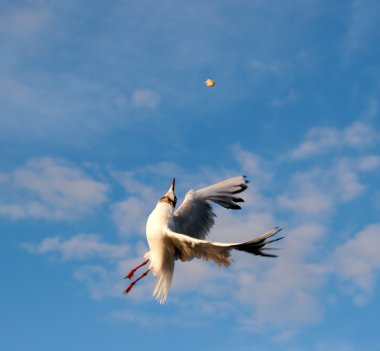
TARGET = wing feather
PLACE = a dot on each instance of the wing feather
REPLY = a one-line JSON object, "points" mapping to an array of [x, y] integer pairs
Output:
{"points": [[195, 216], [187, 247]]}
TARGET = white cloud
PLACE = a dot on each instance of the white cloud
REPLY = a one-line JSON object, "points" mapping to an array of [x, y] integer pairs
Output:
{"points": [[347, 181], [241, 226], [307, 194], [358, 260], [358, 135], [189, 276], [318, 191], [52, 189], [284, 291], [132, 183], [318, 140], [79, 247], [308, 201], [130, 216], [368, 163], [99, 281], [259, 171]]}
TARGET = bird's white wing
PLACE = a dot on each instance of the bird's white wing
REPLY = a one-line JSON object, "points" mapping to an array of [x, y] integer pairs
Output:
{"points": [[195, 216], [187, 247]]}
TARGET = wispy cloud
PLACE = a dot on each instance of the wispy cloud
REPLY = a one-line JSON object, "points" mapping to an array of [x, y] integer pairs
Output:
{"points": [[260, 171], [129, 216], [358, 135], [50, 189], [100, 281], [358, 261], [307, 200], [318, 191], [130, 213], [79, 247], [103, 276], [368, 163], [285, 291]]}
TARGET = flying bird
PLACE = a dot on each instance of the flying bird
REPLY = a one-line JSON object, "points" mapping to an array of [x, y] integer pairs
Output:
{"points": [[181, 234]]}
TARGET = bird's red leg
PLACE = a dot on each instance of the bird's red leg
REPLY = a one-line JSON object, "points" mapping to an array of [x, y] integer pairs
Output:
{"points": [[127, 290], [132, 272]]}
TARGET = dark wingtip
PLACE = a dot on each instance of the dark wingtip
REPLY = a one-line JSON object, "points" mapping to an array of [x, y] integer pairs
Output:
{"points": [[267, 255], [242, 187], [259, 246], [237, 199]]}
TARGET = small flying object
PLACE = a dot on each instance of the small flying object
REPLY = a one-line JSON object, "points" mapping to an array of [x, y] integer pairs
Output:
{"points": [[181, 234], [210, 83]]}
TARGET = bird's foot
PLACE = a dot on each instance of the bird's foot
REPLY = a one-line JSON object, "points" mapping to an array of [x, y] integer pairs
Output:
{"points": [[127, 290], [130, 274]]}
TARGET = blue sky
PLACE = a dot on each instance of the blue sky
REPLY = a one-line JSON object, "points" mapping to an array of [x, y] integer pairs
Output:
{"points": [[102, 103]]}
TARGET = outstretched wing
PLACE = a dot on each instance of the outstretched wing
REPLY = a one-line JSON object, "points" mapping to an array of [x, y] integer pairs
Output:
{"points": [[187, 247], [195, 216]]}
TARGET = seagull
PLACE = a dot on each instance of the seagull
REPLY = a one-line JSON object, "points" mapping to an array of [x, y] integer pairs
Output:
{"points": [[181, 234]]}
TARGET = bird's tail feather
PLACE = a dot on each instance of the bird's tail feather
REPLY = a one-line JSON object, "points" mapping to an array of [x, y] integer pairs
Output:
{"points": [[258, 246], [164, 281]]}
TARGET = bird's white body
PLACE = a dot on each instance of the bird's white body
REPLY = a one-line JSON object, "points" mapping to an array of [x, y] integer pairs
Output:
{"points": [[181, 234], [162, 253], [157, 224]]}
